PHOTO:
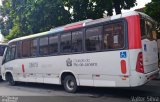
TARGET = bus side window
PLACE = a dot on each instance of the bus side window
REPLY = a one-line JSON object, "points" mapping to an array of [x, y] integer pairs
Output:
{"points": [[93, 39], [13, 50], [43, 46], [26, 46], [77, 41], [143, 32], [19, 49], [53, 44], [113, 36], [150, 30], [65, 45], [34, 45]]}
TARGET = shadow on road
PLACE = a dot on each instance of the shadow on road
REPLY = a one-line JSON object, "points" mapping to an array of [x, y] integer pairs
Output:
{"points": [[151, 89]]}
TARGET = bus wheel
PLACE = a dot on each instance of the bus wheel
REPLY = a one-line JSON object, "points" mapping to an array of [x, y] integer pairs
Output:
{"points": [[70, 84], [11, 80]]}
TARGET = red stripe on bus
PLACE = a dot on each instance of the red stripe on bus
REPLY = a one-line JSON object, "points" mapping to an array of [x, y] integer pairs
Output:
{"points": [[23, 68], [73, 26], [123, 67], [134, 32]]}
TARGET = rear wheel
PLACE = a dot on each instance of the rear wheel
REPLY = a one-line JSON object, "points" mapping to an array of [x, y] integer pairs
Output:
{"points": [[70, 84], [11, 80]]}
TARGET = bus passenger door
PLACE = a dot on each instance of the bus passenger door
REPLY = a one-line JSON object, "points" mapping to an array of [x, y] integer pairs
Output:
{"points": [[9, 62]]}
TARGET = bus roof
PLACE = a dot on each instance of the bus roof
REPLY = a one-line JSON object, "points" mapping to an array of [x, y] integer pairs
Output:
{"points": [[76, 25]]}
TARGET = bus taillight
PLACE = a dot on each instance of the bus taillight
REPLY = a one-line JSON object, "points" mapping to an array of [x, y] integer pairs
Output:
{"points": [[123, 67], [139, 66]]}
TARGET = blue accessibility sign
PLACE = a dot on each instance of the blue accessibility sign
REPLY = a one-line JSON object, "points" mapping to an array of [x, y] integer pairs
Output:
{"points": [[123, 54], [145, 47]]}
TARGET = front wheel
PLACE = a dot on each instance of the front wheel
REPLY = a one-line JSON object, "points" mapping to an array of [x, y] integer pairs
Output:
{"points": [[11, 80], [70, 84]]}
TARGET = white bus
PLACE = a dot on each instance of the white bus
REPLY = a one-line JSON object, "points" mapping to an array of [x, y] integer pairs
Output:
{"points": [[119, 51], [2, 49]]}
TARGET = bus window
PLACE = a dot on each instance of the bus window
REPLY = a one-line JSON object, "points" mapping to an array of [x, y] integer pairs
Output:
{"points": [[143, 35], [13, 50], [10, 54], [65, 45], [53, 44], [2, 48], [93, 39], [26, 46], [113, 36], [34, 47], [148, 29], [43, 46], [77, 41], [19, 49]]}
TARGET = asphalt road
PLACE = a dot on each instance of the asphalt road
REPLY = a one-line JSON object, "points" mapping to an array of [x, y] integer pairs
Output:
{"points": [[29, 92]]}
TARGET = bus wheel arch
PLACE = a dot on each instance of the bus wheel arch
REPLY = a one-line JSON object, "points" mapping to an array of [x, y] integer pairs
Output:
{"points": [[10, 79], [68, 80]]}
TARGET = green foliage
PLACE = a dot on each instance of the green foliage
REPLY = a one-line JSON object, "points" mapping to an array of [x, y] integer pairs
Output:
{"points": [[153, 10], [32, 16], [84, 9], [26, 17], [15, 32]]}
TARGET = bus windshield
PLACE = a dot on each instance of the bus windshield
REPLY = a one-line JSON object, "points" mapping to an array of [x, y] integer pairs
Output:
{"points": [[2, 48], [9, 54]]}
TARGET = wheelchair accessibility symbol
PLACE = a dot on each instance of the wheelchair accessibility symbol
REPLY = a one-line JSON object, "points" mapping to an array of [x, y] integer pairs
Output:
{"points": [[123, 54]]}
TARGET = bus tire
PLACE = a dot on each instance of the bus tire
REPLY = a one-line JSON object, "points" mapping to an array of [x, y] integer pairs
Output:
{"points": [[70, 84], [11, 80]]}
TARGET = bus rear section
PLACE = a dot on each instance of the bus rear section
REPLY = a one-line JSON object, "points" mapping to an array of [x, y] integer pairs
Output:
{"points": [[143, 49]]}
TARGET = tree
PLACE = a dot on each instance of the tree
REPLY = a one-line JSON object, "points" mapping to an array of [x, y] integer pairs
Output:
{"points": [[5, 22], [123, 4], [34, 16], [84, 9], [26, 17], [153, 10]]}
